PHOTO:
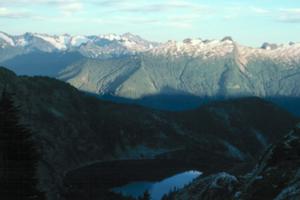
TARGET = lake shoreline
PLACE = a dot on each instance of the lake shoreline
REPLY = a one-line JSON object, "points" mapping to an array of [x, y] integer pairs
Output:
{"points": [[97, 179]]}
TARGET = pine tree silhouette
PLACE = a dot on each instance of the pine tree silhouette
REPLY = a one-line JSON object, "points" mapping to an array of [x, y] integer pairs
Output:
{"points": [[146, 196], [18, 156]]}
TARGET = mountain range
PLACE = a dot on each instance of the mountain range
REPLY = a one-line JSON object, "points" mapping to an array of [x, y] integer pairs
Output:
{"points": [[172, 75], [61, 84], [74, 129]]}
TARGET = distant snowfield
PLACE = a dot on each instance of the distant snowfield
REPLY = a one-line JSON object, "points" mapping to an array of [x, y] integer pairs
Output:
{"points": [[131, 44]]}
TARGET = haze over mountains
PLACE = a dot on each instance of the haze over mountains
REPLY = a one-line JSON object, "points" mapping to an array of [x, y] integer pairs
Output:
{"points": [[177, 75]]}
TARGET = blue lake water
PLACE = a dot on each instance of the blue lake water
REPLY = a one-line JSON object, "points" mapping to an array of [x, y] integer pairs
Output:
{"points": [[157, 189]]}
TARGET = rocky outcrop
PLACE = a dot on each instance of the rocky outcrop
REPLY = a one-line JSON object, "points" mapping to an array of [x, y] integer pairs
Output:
{"points": [[275, 177], [277, 174], [215, 187]]}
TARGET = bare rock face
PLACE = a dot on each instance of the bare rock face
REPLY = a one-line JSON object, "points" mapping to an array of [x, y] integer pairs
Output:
{"points": [[276, 176], [215, 187], [227, 38], [269, 46]]}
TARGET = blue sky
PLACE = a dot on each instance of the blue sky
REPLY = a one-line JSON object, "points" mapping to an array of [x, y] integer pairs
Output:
{"points": [[249, 22]]}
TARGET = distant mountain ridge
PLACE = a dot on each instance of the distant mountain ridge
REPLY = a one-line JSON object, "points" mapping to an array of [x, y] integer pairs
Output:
{"points": [[89, 46], [95, 46], [131, 68]]}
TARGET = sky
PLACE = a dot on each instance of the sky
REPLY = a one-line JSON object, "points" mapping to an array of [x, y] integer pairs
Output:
{"points": [[250, 22]]}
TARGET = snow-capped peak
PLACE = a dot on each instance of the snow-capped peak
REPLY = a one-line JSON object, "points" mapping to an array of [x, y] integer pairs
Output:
{"points": [[78, 40], [125, 42], [59, 42], [128, 44], [287, 54], [268, 46], [227, 38], [6, 38], [195, 48], [131, 36], [110, 36]]}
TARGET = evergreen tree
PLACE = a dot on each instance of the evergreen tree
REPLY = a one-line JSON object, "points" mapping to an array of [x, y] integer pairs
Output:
{"points": [[18, 156], [146, 196]]}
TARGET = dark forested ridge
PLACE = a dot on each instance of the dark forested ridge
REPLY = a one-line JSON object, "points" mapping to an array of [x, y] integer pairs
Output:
{"points": [[75, 130], [19, 155]]}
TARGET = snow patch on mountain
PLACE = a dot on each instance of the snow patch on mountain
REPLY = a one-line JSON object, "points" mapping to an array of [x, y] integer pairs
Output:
{"points": [[110, 36], [58, 42], [21, 42], [6, 38], [128, 44], [78, 40], [288, 54], [195, 48]]}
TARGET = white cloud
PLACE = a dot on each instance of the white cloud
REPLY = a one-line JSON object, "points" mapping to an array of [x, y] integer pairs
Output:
{"points": [[8, 13], [71, 8], [290, 15], [131, 7], [66, 7], [292, 11], [34, 2], [259, 10], [143, 6]]}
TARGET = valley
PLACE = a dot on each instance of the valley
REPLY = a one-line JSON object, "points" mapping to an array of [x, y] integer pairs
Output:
{"points": [[75, 130], [118, 112]]}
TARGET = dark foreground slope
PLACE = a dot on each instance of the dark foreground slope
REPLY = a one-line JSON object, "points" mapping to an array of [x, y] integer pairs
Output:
{"points": [[276, 176], [75, 130]]}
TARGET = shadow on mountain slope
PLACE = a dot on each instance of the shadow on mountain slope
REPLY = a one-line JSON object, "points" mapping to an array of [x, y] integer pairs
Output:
{"points": [[41, 63], [179, 101]]}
